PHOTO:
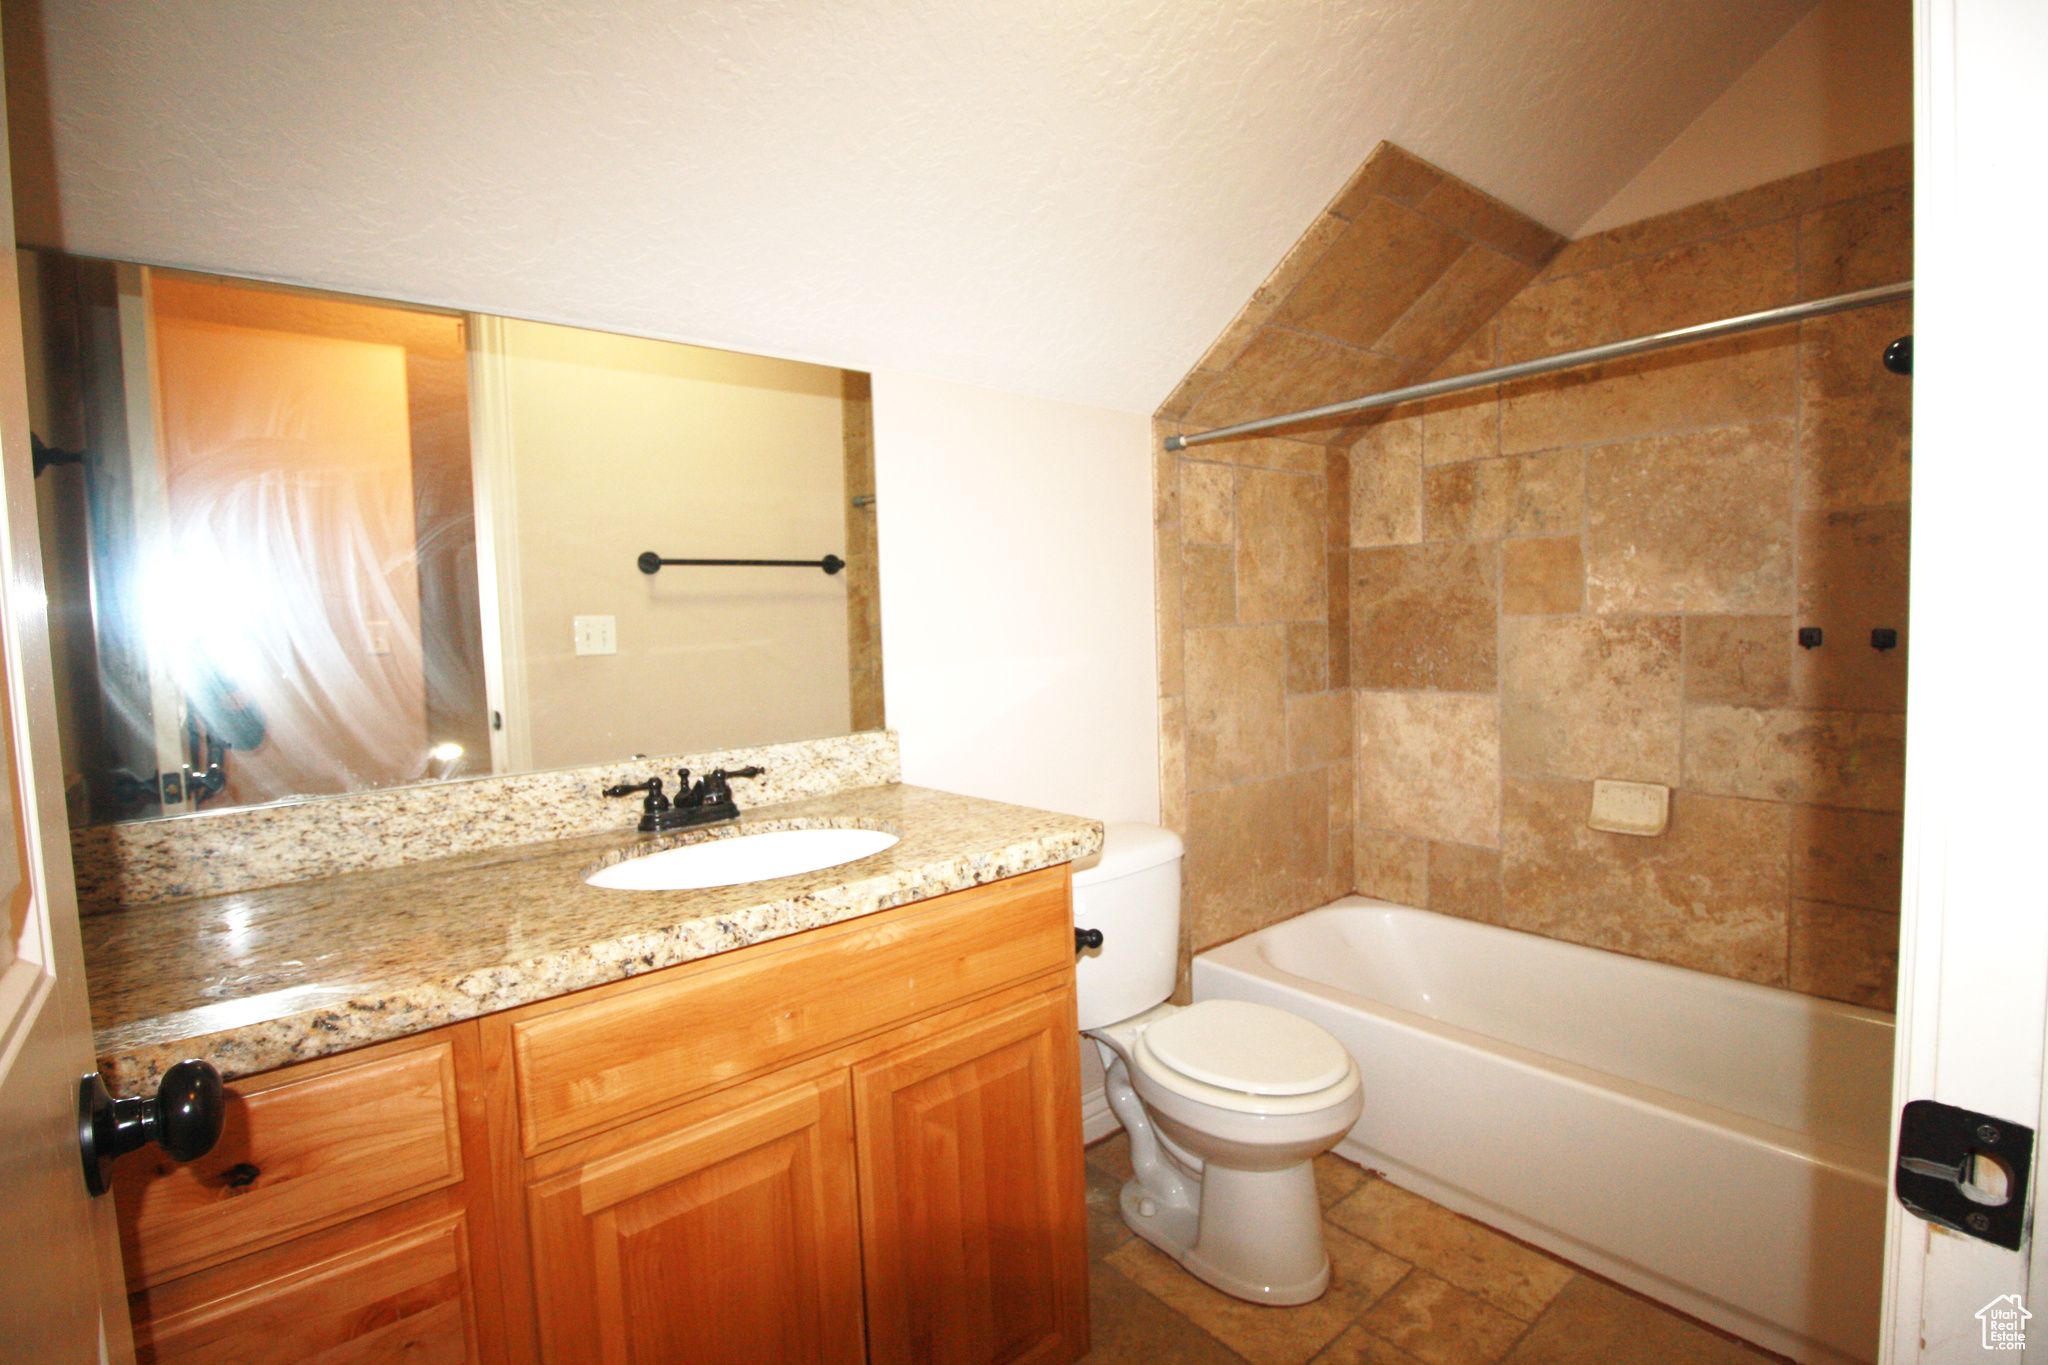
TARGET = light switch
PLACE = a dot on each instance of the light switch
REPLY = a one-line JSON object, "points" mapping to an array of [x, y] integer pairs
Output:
{"points": [[380, 636], [596, 634], [1630, 807]]}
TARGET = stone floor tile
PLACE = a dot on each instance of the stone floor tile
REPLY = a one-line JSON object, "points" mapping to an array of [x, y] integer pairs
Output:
{"points": [[1360, 1347], [1112, 1156], [1263, 1335], [1336, 1177], [1128, 1326], [1594, 1323], [1106, 1227], [1512, 1277], [1440, 1324]]}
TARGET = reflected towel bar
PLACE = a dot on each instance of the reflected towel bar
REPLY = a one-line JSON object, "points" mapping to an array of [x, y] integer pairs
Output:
{"points": [[1568, 360], [651, 562]]}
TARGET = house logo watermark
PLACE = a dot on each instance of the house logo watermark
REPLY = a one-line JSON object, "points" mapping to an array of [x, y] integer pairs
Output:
{"points": [[2005, 1323]]}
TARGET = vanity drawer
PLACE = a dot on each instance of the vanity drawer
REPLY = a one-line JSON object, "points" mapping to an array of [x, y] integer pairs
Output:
{"points": [[303, 1148], [641, 1046]]}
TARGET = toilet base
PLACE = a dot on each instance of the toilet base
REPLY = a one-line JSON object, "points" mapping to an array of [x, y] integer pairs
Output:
{"points": [[1247, 1226]]}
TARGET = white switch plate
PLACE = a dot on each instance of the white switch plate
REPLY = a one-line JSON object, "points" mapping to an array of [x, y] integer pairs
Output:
{"points": [[1630, 807], [380, 636], [596, 634]]}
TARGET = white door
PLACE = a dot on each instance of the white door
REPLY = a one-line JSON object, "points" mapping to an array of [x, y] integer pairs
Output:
{"points": [[61, 1297], [1973, 984]]}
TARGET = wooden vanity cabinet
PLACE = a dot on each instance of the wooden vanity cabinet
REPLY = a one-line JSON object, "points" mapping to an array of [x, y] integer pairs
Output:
{"points": [[858, 1143]]}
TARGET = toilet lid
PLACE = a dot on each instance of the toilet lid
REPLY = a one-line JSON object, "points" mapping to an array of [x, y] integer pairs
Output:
{"points": [[1255, 1049]]}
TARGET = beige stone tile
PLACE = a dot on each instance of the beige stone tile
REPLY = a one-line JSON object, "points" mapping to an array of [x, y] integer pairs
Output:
{"points": [[1545, 577], [1594, 1323], [1335, 1178], [1768, 203], [1280, 535], [1424, 616], [1263, 1335], [1890, 168], [1700, 522], [1440, 1324], [1429, 765], [1462, 426], [1739, 660], [1173, 763], [1852, 577], [1308, 656], [1738, 379], [1847, 857], [1236, 699], [1709, 893], [1843, 953], [1336, 498], [1283, 371], [1855, 416], [1702, 281], [1465, 882], [1517, 495], [1256, 854], [1856, 244], [1373, 273], [1386, 484], [1186, 394], [1817, 758], [1514, 1278], [1401, 176], [1128, 1326], [1392, 867], [1360, 1347], [1587, 697], [1482, 216], [1337, 879], [1470, 290], [1207, 503], [1340, 618], [1318, 729], [1237, 334], [1169, 571], [1208, 586], [1265, 452]]}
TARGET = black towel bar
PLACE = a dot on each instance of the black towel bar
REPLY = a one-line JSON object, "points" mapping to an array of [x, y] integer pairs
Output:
{"points": [[651, 562]]}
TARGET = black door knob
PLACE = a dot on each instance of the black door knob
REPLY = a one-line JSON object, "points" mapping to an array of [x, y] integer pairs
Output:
{"points": [[184, 1119], [1084, 939]]}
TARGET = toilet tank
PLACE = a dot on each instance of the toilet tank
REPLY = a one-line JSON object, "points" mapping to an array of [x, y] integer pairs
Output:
{"points": [[1131, 892]]}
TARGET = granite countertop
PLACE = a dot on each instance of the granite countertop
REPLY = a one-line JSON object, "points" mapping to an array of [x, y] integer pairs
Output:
{"points": [[260, 979]]}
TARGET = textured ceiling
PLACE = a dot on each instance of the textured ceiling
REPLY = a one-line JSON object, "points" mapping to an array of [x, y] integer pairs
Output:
{"points": [[1067, 199]]}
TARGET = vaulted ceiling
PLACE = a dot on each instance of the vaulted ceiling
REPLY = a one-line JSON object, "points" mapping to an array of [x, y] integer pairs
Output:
{"points": [[1064, 199]]}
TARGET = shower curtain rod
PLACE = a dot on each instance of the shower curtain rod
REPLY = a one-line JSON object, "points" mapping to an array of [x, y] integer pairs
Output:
{"points": [[1613, 350]]}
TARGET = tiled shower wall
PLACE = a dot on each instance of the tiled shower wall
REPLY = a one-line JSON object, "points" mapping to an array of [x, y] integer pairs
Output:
{"points": [[1599, 574], [1602, 574], [1254, 536]]}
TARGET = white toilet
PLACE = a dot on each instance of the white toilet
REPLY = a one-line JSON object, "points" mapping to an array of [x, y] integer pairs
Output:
{"points": [[1226, 1102]]}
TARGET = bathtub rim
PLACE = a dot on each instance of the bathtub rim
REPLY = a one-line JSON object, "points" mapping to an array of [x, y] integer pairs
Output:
{"points": [[1869, 1166]]}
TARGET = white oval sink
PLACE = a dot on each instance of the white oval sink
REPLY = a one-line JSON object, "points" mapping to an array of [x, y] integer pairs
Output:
{"points": [[749, 858]]}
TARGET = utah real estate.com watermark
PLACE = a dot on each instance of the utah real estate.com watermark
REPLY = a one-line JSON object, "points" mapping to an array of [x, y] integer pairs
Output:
{"points": [[2005, 1323]]}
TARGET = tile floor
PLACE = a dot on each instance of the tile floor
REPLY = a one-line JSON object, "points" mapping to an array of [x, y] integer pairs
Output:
{"points": [[1412, 1284]]}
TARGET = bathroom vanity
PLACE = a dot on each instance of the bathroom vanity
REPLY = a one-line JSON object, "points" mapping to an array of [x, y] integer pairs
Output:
{"points": [[843, 1127]]}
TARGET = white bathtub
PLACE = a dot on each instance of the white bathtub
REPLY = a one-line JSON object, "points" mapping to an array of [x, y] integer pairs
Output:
{"points": [[1713, 1144]]}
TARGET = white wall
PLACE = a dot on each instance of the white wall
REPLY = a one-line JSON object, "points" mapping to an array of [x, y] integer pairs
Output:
{"points": [[1017, 603], [1837, 85]]}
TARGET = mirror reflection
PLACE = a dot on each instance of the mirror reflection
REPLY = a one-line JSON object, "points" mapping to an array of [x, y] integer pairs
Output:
{"points": [[299, 544]]}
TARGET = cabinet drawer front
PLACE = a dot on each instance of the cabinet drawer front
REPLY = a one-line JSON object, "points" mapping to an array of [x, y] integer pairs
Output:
{"points": [[295, 1155], [402, 1297], [595, 1064]]}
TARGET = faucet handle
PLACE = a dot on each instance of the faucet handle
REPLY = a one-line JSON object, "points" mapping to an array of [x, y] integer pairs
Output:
{"points": [[652, 808]]}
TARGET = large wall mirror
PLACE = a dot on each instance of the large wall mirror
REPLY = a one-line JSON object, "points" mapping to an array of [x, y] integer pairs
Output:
{"points": [[299, 544]]}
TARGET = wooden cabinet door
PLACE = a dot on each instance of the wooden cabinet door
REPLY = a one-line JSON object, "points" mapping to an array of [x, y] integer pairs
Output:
{"points": [[971, 1192], [728, 1234]]}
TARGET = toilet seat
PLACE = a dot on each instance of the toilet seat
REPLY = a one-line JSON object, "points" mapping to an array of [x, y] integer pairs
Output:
{"points": [[1248, 1046], [1255, 1048]]}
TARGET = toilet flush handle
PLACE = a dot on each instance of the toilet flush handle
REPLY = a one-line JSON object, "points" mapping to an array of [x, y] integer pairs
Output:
{"points": [[1084, 939]]}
